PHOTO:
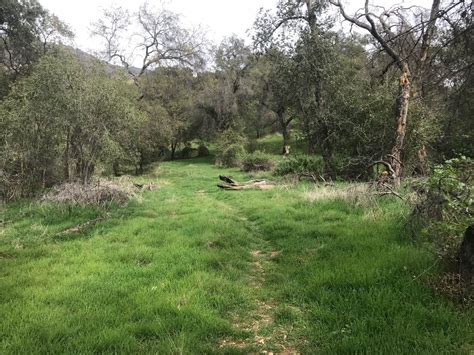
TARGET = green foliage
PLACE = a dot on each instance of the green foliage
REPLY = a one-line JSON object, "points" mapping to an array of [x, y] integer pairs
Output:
{"points": [[446, 206], [168, 100], [203, 151], [27, 31], [300, 165], [62, 121], [230, 146], [257, 161], [187, 152]]}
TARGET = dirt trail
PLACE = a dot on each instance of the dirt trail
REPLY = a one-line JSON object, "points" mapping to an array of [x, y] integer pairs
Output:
{"points": [[266, 337]]}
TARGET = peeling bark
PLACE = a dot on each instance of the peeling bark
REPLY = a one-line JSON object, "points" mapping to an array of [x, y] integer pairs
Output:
{"points": [[402, 113]]}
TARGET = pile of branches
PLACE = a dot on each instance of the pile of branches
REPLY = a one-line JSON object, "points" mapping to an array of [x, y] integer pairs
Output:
{"points": [[99, 193]]}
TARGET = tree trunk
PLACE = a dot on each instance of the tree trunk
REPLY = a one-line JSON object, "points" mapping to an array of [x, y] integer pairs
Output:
{"points": [[326, 152], [466, 259], [141, 164], [116, 168], [173, 150], [66, 159], [284, 130], [286, 141], [402, 113], [426, 44], [423, 73]]}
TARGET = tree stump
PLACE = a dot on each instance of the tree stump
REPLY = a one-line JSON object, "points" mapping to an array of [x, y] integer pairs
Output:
{"points": [[466, 259]]}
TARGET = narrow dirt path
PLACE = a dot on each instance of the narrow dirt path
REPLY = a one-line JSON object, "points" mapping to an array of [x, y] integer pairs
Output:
{"points": [[266, 337]]}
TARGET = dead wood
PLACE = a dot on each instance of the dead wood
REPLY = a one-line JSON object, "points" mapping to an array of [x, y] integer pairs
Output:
{"points": [[227, 179], [82, 226], [252, 184]]}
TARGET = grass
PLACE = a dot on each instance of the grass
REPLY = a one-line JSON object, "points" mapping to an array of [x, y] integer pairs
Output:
{"points": [[272, 144], [193, 269]]}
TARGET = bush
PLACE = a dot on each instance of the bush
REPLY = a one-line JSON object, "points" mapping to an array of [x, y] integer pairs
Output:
{"points": [[444, 208], [187, 152], [301, 165], [257, 161], [230, 148], [203, 151]]}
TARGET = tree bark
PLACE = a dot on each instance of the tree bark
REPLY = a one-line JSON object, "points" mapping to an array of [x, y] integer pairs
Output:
{"points": [[466, 259], [402, 113], [116, 168], [173, 150], [66, 159], [141, 164], [327, 152], [286, 141], [284, 129], [423, 73]]}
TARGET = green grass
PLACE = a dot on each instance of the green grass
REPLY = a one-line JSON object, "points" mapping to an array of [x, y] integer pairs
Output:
{"points": [[193, 269], [272, 144]]}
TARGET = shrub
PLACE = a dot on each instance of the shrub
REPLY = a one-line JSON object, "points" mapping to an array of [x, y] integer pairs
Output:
{"points": [[187, 152], [203, 151], [230, 148], [444, 208], [301, 165], [257, 161]]}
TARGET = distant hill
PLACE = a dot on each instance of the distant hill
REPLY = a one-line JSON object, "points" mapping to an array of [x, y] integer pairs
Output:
{"points": [[87, 58]]}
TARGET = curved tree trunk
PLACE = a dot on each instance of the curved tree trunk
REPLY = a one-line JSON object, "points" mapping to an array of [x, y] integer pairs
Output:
{"points": [[402, 113]]}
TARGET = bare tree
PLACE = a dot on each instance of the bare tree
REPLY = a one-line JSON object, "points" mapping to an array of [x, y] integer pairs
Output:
{"points": [[158, 39], [407, 44]]}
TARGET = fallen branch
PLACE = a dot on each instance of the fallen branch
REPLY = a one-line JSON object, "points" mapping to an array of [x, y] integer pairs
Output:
{"points": [[231, 184], [390, 191], [82, 226], [386, 164], [312, 176]]}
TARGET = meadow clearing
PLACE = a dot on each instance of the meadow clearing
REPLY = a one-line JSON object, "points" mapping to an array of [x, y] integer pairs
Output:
{"points": [[190, 268]]}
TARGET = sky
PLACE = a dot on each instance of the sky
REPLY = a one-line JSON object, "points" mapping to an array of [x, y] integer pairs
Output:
{"points": [[220, 18]]}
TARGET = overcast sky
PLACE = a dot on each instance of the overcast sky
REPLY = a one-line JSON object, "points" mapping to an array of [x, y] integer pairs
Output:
{"points": [[221, 18]]}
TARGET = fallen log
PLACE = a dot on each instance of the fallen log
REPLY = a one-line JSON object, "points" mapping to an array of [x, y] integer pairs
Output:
{"points": [[231, 184], [227, 179], [80, 227]]}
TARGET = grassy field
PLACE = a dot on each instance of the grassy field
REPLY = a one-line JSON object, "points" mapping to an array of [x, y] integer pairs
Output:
{"points": [[193, 269]]}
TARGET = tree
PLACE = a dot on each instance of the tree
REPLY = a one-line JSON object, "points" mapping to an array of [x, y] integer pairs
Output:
{"points": [[400, 40], [26, 32], [172, 90], [225, 99], [161, 40], [300, 20], [61, 121], [283, 88]]}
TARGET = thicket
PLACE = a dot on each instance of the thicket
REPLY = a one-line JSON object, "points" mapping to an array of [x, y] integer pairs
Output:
{"points": [[445, 207], [230, 148], [301, 165], [257, 161], [63, 120]]}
